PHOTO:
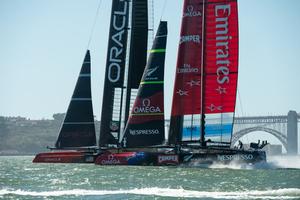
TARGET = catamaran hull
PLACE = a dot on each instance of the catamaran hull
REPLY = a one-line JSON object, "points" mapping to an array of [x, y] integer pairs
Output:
{"points": [[65, 157], [202, 157], [228, 157]]}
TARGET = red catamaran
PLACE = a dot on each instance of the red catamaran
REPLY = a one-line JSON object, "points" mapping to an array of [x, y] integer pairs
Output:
{"points": [[205, 88]]}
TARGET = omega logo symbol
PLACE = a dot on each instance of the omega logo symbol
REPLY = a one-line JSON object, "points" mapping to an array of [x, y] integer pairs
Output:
{"points": [[110, 157], [190, 12], [146, 102]]}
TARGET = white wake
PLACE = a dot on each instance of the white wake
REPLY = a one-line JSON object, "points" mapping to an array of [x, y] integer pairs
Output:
{"points": [[273, 162], [287, 193]]}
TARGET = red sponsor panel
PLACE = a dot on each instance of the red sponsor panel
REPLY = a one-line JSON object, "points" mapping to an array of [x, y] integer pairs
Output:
{"points": [[167, 159], [220, 98], [114, 158], [221, 56], [147, 109], [187, 88], [63, 157]]}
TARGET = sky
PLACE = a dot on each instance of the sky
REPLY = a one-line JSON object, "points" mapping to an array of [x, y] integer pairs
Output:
{"points": [[43, 42]]}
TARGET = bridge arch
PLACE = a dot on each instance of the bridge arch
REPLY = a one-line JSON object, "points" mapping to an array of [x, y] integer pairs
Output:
{"points": [[277, 134]]}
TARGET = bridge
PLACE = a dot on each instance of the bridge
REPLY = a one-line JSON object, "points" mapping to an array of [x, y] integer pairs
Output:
{"points": [[284, 128]]}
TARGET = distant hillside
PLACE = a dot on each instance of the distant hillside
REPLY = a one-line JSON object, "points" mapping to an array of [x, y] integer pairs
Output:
{"points": [[24, 136]]}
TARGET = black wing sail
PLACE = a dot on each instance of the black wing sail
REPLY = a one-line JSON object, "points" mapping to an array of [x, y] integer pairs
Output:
{"points": [[145, 126], [78, 128], [138, 49], [114, 74]]}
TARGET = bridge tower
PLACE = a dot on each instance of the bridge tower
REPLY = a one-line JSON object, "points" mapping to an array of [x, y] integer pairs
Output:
{"points": [[292, 133]]}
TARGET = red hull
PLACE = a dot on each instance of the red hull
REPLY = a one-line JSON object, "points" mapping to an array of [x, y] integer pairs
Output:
{"points": [[65, 157], [114, 158]]}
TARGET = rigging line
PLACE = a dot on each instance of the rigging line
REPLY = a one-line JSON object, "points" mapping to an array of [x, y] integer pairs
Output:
{"points": [[94, 24], [242, 111], [163, 9], [240, 100]]}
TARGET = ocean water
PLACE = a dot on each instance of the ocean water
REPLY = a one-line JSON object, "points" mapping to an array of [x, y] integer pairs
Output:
{"points": [[22, 179]]}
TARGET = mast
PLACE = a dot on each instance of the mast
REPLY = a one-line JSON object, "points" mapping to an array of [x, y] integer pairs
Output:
{"points": [[145, 125], [202, 132], [78, 128]]}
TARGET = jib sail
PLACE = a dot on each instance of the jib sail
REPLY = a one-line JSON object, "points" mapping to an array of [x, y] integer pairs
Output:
{"points": [[78, 128]]}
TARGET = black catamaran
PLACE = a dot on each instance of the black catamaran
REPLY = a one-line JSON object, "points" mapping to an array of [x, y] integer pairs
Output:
{"points": [[77, 139]]}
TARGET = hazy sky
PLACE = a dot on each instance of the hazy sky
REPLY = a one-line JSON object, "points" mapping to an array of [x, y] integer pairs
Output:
{"points": [[43, 42]]}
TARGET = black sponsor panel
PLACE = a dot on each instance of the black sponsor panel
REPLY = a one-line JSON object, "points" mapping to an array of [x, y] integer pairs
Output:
{"points": [[115, 65], [146, 134], [117, 42], [224, 157]]}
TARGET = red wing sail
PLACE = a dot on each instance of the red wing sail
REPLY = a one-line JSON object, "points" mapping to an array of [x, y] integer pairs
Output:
{"points": [[221, 56], [220, 69], [207, 71], [187, 89]]}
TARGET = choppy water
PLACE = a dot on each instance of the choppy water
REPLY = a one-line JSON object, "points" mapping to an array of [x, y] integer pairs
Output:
{"points": [[21, 179]]}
